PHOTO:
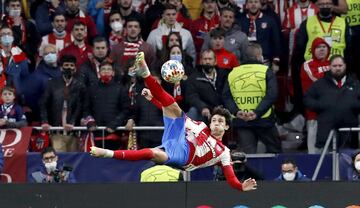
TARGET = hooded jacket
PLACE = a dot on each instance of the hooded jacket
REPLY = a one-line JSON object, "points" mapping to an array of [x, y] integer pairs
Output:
{"points": [[313, 70]]}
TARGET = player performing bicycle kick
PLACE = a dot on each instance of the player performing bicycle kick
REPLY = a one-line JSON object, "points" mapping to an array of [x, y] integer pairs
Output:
{"points": [[186, 144]]}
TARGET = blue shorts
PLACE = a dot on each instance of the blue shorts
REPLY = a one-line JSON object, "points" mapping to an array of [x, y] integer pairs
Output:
{"points": [[174, 141]]}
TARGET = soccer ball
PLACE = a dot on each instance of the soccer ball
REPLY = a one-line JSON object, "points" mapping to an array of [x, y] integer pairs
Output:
{"points": [[172, 71]]}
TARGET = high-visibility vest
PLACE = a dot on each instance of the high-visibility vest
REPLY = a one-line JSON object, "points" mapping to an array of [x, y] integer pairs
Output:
{"points": [[353, 14], [334, 36], [160, 173], [248, 86]]}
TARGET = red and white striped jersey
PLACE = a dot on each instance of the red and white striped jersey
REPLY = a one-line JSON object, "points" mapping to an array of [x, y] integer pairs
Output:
{"points": [[281, 6], [205, 149]]}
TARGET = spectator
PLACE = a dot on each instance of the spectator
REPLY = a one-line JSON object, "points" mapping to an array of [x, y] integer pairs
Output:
{"points": [[132, 43], [61, 105], [117, 28], [204, 87], [99, 10], [90, 70], [58, 37], [241, 168], [235, 40], [208, 20], [224, 59], [52, 171], [107, 102], [45, 14], [354, 24], [335, 99], [11, 114], [78, 48], [296, 14], [74, 15], [1, 159], [14, 62], [36, 82], [249, 94], [290, 172], [326, 25], [126, 10], [182, 15], [311, 71], [147, 114], [152, 14], [261, 28], [355, 173], [25, 33], [157, 37]]}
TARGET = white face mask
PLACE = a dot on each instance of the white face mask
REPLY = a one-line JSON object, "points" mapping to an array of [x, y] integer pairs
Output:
{"points": [[289, 176], [116, 26], [51, 167], [15, 12], [357, 165], [50, 58]]}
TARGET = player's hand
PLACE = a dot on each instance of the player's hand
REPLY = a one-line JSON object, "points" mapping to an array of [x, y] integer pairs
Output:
{"points": [[100, 152], [147, 94], [249, 184], [206, 113], [130, 124]]}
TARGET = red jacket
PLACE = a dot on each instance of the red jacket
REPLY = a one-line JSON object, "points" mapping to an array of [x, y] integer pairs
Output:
{"points": [[226, 59], [81, 56], [313, 70], [200, 27]]}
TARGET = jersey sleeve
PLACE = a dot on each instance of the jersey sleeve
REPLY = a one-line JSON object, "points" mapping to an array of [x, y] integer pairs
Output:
{"points": [[231, 177]]}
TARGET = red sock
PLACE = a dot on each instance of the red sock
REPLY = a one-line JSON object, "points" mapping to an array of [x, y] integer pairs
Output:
{"points": [[158, 92], [132, 155]]}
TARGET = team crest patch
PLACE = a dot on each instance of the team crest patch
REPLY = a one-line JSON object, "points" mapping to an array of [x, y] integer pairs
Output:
{"points": [[264, 25], [226, 61], [232, 41]]}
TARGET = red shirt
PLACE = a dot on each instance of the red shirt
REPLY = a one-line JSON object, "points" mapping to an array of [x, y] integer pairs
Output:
{"points": [[200, 27], [87, 20], [82, 54], [226, 59]]}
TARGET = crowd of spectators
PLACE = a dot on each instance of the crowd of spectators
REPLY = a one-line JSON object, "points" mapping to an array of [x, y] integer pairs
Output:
{"points": [[65, 63]]}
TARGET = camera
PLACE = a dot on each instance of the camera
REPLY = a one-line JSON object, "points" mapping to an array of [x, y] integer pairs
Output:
{"points": [[61, 176]]}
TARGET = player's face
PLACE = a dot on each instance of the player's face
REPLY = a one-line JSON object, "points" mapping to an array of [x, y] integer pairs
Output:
{"points": [[218, 125]]}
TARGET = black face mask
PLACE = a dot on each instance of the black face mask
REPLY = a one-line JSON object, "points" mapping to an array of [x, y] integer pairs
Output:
{"points": [[67, 73], [325, 12], [207, 68]]}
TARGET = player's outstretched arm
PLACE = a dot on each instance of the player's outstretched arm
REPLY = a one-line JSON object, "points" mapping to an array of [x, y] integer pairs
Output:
{"points": [[148, 96], [249, 184]]}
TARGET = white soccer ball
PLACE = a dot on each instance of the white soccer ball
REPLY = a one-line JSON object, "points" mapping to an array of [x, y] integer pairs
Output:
{"points": [[172, 71]]}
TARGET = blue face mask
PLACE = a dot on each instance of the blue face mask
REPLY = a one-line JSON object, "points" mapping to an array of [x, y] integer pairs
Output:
{"points": [[176, 57], [50, 58], [7, 40]]}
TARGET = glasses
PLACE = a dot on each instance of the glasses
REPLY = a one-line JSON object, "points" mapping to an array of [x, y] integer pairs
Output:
{"points": [[49, 159]]}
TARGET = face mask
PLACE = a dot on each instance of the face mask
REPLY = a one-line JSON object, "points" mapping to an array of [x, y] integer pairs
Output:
{"points": [[57, 33], [50, 58], [14, 12], [325, 12], [67, 73], [207, 68], [357, 165], [51, 167], [116, 26], [7, 40], [106, 78], [289, 176], [176, 57]]}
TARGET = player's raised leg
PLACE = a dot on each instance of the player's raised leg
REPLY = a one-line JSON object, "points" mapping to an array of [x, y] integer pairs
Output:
{"points": [[170, 108]]}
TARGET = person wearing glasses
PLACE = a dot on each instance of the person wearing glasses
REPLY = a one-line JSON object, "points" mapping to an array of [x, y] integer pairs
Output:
{"points": [[51, 170]]}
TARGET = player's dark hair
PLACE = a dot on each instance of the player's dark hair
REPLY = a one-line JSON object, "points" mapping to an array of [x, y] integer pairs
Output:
{"points": [[289, 161], [47, 150], [336, 56], [67, 58], [220, 110]]}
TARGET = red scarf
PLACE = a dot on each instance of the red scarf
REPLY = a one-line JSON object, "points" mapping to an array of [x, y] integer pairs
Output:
{"points": [[52, 39], [10, 23], [130, 50], [114, 39]]}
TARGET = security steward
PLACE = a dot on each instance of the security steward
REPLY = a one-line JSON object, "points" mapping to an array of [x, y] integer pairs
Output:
{"points": [[249, 94]]}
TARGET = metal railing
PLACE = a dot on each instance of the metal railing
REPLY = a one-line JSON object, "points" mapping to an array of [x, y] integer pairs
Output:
{"points": [[334, 152]]}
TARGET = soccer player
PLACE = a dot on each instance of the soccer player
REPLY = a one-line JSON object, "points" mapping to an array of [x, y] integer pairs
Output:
{"points": [[186, 144]]}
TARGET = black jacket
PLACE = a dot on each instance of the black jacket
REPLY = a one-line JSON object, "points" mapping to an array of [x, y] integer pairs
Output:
{"points": [[335, 107], [52, 101], [266, 103], [201, 93], [109, 104]]}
